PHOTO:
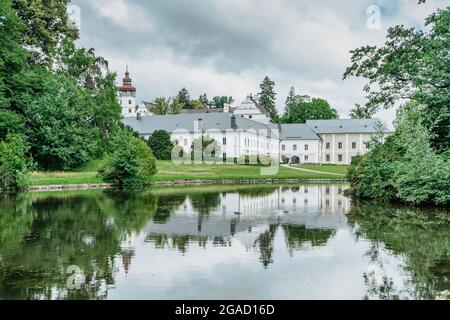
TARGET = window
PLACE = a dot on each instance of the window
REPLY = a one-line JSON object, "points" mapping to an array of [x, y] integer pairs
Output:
{"points": [[225, 157], [224, 141], [130, 102], [176, 142], [185, 142], [328, 145], [340, 145], [306, 147], [306, 158], [283, 147], [295, 147], [327, 157], [130, 111], [250, 117], [340, 158], [353, 145]]}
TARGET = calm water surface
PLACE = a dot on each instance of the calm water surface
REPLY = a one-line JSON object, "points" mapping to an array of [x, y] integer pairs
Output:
{"points": [[287, 242]]}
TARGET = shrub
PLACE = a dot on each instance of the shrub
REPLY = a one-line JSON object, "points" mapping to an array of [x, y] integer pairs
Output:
{"points": [[132, 162], [161, 145], [405, 168], [15, 165]]}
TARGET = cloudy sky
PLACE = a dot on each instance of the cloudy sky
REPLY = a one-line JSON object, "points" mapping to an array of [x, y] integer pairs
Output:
{"points": [[226, 47]]}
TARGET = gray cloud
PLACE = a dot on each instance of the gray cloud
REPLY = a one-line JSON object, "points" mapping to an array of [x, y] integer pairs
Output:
{"points": [[226, 47]]}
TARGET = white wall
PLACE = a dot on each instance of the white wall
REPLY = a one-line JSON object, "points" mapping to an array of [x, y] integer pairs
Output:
{"points": [[312, 153], [238, 143], [336, 145], [128, 109]]}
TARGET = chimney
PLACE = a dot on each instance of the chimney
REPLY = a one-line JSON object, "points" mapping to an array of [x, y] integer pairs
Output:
{"points": [[139, 116], [233, 122]]}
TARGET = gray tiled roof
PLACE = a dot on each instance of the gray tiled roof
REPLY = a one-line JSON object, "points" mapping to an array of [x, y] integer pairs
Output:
{"points": [[298, 132], [196, 111], [219, 121], [343, 126]]}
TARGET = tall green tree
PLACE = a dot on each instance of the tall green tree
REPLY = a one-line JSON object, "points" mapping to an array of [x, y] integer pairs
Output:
{"points": [[291, 98], [161, 145], [47, 82], [46, 25], [160, 106], [267, 98], [175, 107], [361, 112], [10, 122], [413, 65], [184, 98], [220, 101], [204, 100], [13, 58], [306, 108], [15, 164]]}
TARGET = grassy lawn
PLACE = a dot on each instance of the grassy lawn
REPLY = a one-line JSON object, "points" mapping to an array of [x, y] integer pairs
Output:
{"points": [[167, 171]]}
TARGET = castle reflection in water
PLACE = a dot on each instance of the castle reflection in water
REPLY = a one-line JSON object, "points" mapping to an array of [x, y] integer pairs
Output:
{"points": [[249, 216]]}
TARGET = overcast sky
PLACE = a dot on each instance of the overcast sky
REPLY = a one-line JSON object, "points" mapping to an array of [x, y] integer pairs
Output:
{"points": [[226, 47]]}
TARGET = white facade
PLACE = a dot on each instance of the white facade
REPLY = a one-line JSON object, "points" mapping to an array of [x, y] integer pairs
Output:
{"points": [[341, 148], [250, 110], [127, 99], [232, 143], [300, 151]]}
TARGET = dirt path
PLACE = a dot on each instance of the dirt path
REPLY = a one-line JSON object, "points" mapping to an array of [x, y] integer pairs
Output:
{"points": [[313, 171]]}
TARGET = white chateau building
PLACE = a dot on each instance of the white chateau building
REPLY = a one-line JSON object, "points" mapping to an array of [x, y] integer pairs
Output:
{"points": [[247, 130]]}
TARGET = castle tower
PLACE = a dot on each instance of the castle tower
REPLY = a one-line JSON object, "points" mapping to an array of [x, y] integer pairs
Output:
{"points": [[127, 96]]}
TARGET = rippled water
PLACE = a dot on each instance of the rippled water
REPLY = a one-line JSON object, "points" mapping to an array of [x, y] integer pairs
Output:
{"points": [[262, 242]]}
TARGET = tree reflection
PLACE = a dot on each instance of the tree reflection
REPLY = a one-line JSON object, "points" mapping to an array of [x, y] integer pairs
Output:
{"points": [[297, 236], [420, 236], [265, 245], [41, 236]]}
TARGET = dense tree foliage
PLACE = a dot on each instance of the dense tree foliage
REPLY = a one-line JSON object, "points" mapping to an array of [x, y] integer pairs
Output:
{"points": [[132, 163], [62, 98], [46, 24], [161, 145], [267, 98], [14, 163], [184, 98], [299, 109], [10, 122], [405, 168], [220, 102], [163, 106], [361, 112], [413, 166], [413, 64]]}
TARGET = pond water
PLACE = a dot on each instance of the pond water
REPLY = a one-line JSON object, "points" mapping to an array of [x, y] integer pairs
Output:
{"points": [[229, 242]]}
